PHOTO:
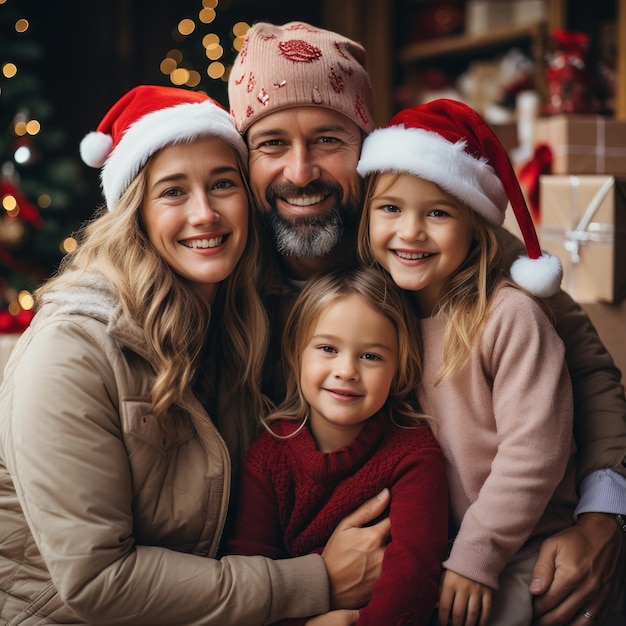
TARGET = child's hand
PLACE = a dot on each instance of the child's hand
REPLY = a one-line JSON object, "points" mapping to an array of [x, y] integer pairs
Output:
{"points": [[463, 602], [335, 618]]}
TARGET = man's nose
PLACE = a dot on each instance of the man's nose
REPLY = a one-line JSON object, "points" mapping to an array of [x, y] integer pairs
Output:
{"points": [[301, 168]]}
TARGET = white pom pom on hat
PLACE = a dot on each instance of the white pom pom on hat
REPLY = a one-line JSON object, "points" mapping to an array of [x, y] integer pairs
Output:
{"points": [[145, 120], [448, 143], [95, 148]]}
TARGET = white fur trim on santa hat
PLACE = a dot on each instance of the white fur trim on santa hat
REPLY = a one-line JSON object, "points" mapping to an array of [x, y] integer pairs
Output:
{"points": [[428, 155], [542, 276], [95, 148], [154, 131]]}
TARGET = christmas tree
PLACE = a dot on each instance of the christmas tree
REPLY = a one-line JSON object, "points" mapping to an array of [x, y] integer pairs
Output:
{"points": [[38, 187], [206, 39]]}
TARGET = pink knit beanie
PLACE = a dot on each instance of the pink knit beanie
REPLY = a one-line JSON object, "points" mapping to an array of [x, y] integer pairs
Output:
{"points": [[279, 67]]}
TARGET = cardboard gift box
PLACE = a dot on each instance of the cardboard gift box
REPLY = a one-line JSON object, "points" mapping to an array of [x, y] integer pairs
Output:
{"points": [[583, 222], [584, 144]]}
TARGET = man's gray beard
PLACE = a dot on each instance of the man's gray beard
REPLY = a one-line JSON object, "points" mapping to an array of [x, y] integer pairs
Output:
{"points": [[307, 237]]}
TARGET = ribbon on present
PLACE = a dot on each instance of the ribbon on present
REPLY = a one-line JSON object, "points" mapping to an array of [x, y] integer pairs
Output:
{"points": [[585, 231]]}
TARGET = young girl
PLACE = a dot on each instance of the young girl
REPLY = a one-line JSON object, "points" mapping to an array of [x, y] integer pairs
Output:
{"points": [[494, 374], [345, 431]]}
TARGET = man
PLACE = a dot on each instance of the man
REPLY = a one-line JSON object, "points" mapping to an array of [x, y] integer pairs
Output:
{"points": [[303, 101]]}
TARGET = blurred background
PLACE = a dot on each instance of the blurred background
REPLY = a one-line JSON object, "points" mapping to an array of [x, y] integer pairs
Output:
{"points": [[547, 74]]}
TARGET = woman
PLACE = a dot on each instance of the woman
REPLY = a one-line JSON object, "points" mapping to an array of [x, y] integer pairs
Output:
{"points": [[114, 481]]}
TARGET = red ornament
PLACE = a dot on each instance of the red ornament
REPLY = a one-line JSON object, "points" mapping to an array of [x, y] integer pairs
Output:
{"points": [[14, 324], [570, 84]]}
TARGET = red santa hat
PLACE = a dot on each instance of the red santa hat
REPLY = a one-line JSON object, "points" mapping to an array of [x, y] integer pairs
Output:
{"points": [[145, 120], [448, 143]]}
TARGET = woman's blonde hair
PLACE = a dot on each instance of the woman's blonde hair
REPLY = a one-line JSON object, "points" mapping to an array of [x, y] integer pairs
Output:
{"points": [[378, 290], [467, 293], [174, 317]]}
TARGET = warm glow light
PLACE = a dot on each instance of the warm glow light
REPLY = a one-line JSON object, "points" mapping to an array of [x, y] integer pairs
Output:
{"points": [[237, 43], [69, 244], [14, 308], [168, 66], [175, 54], [206, 16], [215, 52], [210, 40], [20, 129], [194, 79], [9, 70], [26, 300], [33, 127], [9, 203], [179, 76], [21, 25], [186, 26], [216, 70], [44, 201], [209, 4], [240, 29]]}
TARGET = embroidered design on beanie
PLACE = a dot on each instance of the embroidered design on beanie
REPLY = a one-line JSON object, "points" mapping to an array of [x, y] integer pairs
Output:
{"points": [[299, 51], [361, 110], [263, 96], [336, 81], [279, 67]]}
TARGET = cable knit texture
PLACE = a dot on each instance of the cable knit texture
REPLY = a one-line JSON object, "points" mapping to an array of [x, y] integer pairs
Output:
{"points": [[293, 497]]}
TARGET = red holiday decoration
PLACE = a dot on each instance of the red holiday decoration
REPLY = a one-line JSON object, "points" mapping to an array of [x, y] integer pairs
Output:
{"points": [[25, 210], [14, 324], [528, 176], [570, 85]]}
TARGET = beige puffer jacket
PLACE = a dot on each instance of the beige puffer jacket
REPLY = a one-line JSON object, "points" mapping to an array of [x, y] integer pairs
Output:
{"points": [[105, 517]]}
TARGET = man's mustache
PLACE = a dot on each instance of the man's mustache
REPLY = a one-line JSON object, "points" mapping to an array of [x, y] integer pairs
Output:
{"points": [[283, 190]]}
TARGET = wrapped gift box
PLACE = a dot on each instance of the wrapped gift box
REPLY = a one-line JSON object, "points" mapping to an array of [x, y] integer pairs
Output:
{"points": [[583, 222], [483, 16], [584, 144]]}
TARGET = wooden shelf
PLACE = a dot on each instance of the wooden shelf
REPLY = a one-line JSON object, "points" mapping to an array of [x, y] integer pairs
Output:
{"points": [[468, 44]]}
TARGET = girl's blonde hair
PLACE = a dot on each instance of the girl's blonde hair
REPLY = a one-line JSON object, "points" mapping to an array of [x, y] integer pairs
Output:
{"points": [[377, 289], [174, 317], [467, 292]]}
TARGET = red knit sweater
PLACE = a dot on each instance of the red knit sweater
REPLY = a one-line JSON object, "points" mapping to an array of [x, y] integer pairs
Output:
{"points": [[293, 496]]}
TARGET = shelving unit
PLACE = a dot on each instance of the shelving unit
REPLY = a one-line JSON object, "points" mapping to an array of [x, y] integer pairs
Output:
{"points": [[369, 21], [533, 35]]}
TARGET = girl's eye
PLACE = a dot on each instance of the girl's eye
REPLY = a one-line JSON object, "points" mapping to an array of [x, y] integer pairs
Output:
{"points": [[370, 356], [389, 208], [439, 213], [327, 349]]}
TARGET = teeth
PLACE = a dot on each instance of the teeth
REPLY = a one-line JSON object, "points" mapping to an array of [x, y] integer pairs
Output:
{"points": [[412, 256], [305, 200], [204, 243]]}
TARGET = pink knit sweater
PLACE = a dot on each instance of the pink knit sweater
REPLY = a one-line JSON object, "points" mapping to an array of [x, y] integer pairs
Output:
{"points": [[504, 422]]}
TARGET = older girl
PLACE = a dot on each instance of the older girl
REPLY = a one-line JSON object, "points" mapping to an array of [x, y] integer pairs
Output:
{"points": [[495, 377]]}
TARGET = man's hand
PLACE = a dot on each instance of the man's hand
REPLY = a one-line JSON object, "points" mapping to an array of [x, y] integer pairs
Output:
{"points": [[354, 555], [580, 569]]}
